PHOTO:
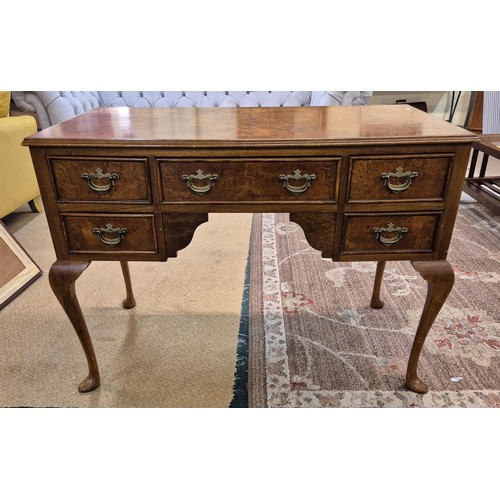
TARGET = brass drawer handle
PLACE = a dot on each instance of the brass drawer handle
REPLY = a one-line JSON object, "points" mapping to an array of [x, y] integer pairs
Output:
{"points": [[398, 174], [297, 176], [104, 233], [100, 188], [200, 176], [377, 231]]}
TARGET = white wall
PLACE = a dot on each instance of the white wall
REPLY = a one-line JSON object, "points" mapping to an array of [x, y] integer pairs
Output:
{"points": [[438, 102]]}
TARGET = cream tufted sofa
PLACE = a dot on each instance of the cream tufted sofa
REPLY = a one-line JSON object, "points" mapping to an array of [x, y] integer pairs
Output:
{"points": [[55, 107]]}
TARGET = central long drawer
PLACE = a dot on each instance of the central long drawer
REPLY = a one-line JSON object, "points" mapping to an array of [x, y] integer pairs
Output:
{"points": [[249, 180]]}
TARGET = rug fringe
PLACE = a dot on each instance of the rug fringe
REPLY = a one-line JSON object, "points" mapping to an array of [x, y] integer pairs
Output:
{"points": [[240, 389]]}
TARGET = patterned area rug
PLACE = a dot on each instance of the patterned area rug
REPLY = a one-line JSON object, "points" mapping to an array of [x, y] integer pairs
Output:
{"points": [[315, 341]]}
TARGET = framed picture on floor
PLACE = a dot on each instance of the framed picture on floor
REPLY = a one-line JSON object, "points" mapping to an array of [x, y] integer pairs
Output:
{"points": [[17, 269]]}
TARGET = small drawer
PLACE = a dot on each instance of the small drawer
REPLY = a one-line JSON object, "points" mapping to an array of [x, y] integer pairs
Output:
{"points": [[89, 233], [403, 178], [101, 179], [389, 232], [250, 180]]}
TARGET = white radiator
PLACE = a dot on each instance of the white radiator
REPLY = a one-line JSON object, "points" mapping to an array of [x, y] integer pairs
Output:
{"points": [[491, 112]]}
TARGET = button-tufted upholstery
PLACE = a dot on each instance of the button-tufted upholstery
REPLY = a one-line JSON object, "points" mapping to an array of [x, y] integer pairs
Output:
{"points": [[55, 107], [204, 99]]}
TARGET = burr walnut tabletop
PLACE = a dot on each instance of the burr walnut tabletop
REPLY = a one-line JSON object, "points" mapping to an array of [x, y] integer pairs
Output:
{"points": [[364, 183]]}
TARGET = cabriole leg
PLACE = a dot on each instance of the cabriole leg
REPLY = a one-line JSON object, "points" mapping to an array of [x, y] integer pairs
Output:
{"points": [[440, 278], [62, 278], [129, 301], [376, 302]]}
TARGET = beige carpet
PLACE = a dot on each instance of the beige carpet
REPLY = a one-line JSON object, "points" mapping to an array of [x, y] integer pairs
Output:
{"points": [[315, 341], [177, 348]]}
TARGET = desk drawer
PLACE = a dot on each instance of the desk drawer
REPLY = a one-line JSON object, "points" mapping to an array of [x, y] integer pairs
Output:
{"points": [[101, 179], [389, 233], [251, 180], [398, 178], [89, 233]]}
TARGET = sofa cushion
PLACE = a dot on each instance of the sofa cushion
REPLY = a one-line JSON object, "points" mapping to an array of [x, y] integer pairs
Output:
{"points": [[4, 104]]}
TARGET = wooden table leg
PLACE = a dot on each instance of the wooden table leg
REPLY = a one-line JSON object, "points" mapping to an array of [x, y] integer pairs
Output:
{"points": [[440, 278], [376, 302], [62, 277], [473, 162], [129, 301]]}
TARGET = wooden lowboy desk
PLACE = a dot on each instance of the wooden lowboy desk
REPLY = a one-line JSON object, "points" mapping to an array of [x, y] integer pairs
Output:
{"points": [[365, 183]]}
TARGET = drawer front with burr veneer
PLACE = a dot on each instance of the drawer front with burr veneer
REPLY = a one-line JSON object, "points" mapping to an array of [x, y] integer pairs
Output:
{"points": [[119, 180], [390, 233], [398, 178], [256, 180], [110, 233]]}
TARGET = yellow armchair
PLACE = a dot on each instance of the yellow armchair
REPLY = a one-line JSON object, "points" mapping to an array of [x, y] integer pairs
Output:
{"points": [[18, 184]]}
